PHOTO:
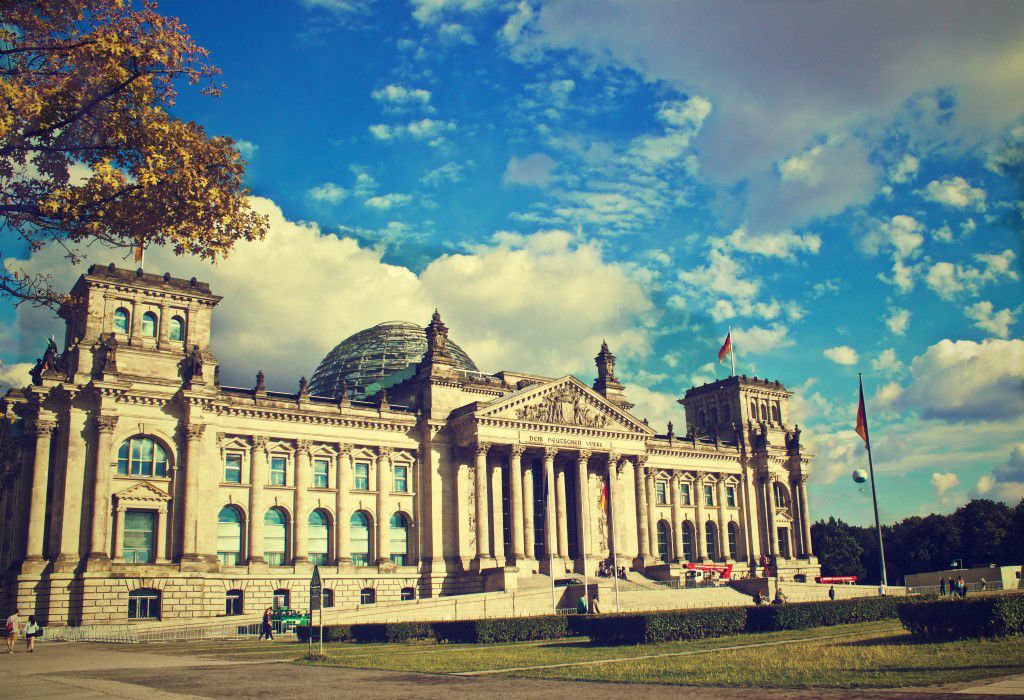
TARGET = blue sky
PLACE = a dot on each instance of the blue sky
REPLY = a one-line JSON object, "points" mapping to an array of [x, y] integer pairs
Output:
{"points": [[839, 183]]}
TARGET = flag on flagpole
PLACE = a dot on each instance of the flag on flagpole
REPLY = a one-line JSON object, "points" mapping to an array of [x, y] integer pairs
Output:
{"points": [[725, 349], [862, 419], [139, 251], [604, 495]]}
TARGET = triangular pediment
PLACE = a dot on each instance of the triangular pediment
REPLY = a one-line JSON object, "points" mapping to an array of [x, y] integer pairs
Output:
{"points": [[143, 492], [567, 402]]}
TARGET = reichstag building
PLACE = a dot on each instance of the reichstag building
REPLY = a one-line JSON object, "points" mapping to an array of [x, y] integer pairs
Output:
{"points": [[134, 486]]}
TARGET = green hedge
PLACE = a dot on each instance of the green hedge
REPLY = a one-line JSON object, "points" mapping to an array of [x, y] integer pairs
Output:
{"points": [[981, 616], [647, 628], [824, 613], [466, 632]]}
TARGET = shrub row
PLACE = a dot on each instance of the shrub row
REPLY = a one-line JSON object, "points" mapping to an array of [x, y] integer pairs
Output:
{"points": [[464, 632], [981, 616]]}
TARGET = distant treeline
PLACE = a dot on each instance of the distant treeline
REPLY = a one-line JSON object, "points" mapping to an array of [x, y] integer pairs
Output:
{"points": [[979, 533]]}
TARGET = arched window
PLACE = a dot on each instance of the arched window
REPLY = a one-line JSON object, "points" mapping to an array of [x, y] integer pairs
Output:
{"points": [[753, 409], [122, 321], [368, 596], [359, 538], [144, 604], [327, 598], [408, 593], [711, 537], [282, 599], [233, 602], [734, 537], [688, 541], [318, 538], [149, 325], [664, 541], [764, 411], [714, 416], [399, 527], [725, 413], [139, 536], [275, 536], [229, 536], [776, 418], [176, 329], [141, 456], [780, 495]]}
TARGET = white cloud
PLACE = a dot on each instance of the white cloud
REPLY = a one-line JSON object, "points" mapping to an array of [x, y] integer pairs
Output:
{"points": [[1006, 482], [904, 169], [903, 276], [387, 201], [842, 355], [431, 11], [898, 320], [943, 234], [948, 279], [955, 192], [889, 394], [246, 148], [943, 482], [396, 96], [783, 244], [723, 275], [887, 362], [535, 170], [962, 380], [758, 340], [430, 130], [14, 375], [658, 407], [901, 235], [683, 122], [986, 318], [327, 192], [513, 28], [455, 33]]}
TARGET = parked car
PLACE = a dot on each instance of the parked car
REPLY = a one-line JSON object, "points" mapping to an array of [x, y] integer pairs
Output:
{"points": [[288, 619]]}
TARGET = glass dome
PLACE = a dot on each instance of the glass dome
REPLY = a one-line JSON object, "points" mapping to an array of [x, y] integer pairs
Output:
{"points": [[374, 353]]}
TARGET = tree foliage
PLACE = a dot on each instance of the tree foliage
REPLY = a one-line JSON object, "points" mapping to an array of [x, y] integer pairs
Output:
{"points": [[88, 148], [979, 533]]}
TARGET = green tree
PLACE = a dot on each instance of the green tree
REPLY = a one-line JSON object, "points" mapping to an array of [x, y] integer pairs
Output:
{"points": [[838, 550], [984, 525]]}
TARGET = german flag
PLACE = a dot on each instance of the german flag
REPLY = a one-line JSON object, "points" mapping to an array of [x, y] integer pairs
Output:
{"points": [[604, 495], [726, 348], [862, 418]]}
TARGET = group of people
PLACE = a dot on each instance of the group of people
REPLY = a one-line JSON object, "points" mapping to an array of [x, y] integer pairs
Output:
{"points": [[14, 627], [762, 599], [957, 588], [606, 570]]}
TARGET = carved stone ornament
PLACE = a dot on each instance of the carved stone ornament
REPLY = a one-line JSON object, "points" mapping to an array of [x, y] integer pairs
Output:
{"points": [[564, 407], [641, 460], [43, 427], [194, 431], [259, 442], [106, 424], [481, 448], [584, 456], [303, 446], [516, 450], [344, 448], [551, 452]]}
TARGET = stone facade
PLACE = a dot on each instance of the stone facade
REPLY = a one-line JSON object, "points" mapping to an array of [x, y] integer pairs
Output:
{"points": [[132, 481]]}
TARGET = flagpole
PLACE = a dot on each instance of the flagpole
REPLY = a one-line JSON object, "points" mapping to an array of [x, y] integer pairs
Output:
{"points": [[732, 351], [874, 497]]}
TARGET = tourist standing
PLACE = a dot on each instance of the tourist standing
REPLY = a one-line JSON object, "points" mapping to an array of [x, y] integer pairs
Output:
{"points": [[12, 629], [831, 592], [267, 628], [984, 584], [32, 630], [942, 586]]}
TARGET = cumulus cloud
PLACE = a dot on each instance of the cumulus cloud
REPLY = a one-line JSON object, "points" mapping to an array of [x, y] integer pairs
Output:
{"points": [[901, 236], [986, 318], [887, 362], [246, 148], [535, 170], [398, 97], [387, 201], [328, 193], [955, 192], [762, 339], [431, 11], [962, 381], [683, 121], [904, 169], [950, 279], [1006, 483], [898, 320], [943, 482], [15, 375], [842, 355], [430, 130], [455, 33], [782, 244]]}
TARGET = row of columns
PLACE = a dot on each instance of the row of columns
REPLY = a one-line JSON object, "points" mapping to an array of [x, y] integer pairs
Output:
{"points": [[799, 514]]}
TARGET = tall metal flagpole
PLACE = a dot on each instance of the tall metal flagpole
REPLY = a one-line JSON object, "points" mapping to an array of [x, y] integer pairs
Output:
{"points": [[874, 497]]}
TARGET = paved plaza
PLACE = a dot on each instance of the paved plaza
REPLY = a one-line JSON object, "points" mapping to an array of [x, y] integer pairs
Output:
{"points": [[87, 671]]}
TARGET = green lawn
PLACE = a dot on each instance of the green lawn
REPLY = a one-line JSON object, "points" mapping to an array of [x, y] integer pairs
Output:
{"points": [[870, 655]]}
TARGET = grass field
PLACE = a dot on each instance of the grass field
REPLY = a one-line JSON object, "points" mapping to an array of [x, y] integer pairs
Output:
{"points": [[865, 655]]}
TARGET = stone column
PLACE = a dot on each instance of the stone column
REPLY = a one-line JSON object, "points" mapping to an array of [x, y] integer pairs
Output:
{"points": [[805, 518], [99, 541], [517, 518], [160, 551], [750, 517], [723, 524], [258, 474], [550, 538], [677, 519], [529, 534], [583, 506], [190, 518], [643, 541], [614, 522], [497, 517], [773, 530], [561, 512], [698, 527], [343, 532], [483, 550], [384, 485], [652, 511], [303, 477], [797, 529], [119, 534], [43, 431]]}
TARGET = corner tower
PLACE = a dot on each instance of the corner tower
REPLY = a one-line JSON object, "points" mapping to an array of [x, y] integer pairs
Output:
{"points": [[717, 408]]}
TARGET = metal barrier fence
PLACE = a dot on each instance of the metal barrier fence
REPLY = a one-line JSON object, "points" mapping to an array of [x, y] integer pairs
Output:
{"points": [[135, 634], [971, 588]]}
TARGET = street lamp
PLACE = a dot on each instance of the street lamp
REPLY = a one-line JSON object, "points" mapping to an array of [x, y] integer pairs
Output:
{"points": [[957, 563]]}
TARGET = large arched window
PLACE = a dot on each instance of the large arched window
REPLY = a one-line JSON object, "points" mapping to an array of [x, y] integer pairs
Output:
{"points": [[780, 495], [229, 536], [359, 538], [149, 324], [122, 321], [399, 528], [764, 411], [176, 329], [275, 537], [711, 538], [734, 538], [318, 536], [688, 541], [664, 541], [144, 604], [776, 418], [141, 456]]}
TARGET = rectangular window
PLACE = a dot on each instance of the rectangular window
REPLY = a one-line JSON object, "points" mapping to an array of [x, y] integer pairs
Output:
{"points": [[361, 478], [730, 496], [401, 478], [660, 497], [320, 467], [144, 605], [709, 495], [684, 494], [233, 602], [233, 468], [278, 467], [139, 528]]}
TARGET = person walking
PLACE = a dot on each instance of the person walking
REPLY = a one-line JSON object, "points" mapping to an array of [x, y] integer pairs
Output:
{"points": [[942, 586], [32, 630], [581, 605], [984, 584], [831, 592], [267, 628], [12, 628]]}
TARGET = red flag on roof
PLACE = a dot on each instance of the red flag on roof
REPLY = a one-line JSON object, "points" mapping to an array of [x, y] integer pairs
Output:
{"points": [[726, 348]]}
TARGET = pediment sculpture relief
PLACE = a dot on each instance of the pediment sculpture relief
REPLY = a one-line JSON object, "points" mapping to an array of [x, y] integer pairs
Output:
{"points": [[564, 407]]}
